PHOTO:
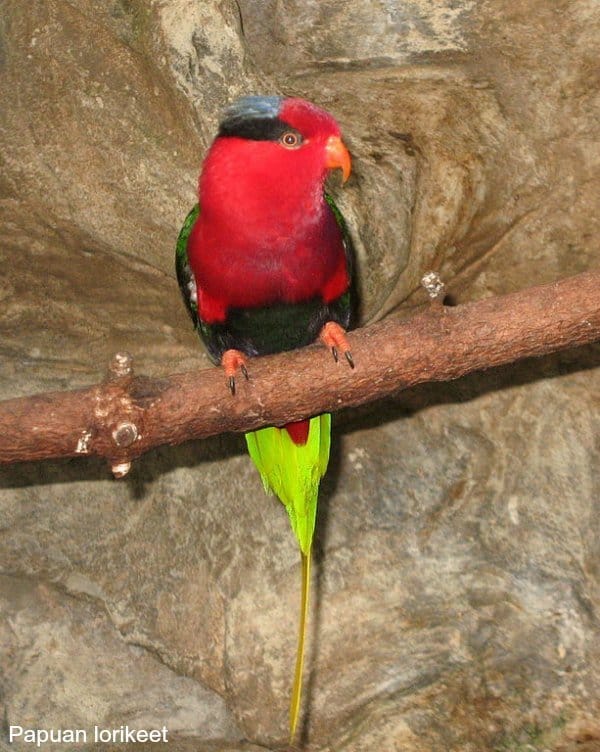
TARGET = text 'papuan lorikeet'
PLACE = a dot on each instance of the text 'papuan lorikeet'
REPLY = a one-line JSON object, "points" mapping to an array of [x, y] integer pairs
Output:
{"points": [[264, 265]]}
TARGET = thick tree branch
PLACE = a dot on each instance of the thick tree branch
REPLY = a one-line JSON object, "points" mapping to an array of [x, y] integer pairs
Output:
{"points": [[127, 415]]}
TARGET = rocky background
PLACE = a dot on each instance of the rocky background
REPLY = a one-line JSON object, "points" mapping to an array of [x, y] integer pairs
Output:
{"points": [[457, 582]]}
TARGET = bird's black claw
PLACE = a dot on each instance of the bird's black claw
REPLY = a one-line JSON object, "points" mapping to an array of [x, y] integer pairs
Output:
{"points": [[232, 385], [244, 370], [334, 352], [349, 358]]}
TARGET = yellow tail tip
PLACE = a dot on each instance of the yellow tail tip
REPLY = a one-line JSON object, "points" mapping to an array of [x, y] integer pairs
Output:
{"points": [[296, 700]]}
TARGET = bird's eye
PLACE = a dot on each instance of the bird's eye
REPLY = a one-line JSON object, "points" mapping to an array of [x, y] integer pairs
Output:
{"points": [[291, 140]]}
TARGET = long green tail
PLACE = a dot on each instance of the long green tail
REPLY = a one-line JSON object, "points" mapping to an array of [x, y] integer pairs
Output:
{"points": [[292, 472]]}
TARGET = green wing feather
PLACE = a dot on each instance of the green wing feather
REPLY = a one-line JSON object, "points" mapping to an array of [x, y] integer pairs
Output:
{"points": [[346, 237], [185, 277], [293, 472]]}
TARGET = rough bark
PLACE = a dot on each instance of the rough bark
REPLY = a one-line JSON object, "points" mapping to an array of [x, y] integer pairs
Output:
{"points": [[127, 415]]}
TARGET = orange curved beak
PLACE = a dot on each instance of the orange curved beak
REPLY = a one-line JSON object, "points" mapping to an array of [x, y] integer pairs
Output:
{"points": [[336, 155]]}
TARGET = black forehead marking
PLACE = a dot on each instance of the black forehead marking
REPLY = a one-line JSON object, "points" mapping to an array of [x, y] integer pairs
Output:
{"points": [[256, 129], [255, 118]]}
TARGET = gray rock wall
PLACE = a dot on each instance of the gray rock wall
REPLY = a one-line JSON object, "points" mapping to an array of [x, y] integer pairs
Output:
{"points": [[457, 581]]}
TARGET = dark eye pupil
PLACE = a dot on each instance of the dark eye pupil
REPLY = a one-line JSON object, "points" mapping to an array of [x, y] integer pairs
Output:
{"points": [[290, 139]]}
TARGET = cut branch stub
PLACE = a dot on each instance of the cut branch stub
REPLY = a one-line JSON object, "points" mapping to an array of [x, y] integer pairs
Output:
{"points": [[125, 434], [432, 282], [120, 366]]}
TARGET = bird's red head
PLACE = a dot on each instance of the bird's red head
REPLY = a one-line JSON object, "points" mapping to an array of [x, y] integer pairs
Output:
{"points": [[271, 150], [319, 131]]}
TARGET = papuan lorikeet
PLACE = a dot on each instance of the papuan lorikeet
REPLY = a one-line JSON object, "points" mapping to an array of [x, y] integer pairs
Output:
{"points": [[264, 265]]}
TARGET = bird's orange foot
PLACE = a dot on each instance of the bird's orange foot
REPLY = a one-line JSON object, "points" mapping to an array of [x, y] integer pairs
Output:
{"points": [[231, 361], [333, 336]]}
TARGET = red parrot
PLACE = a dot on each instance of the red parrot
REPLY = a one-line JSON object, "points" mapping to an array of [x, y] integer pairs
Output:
{"points": [[264, 263]]}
